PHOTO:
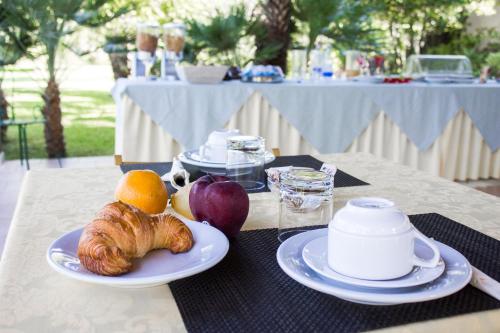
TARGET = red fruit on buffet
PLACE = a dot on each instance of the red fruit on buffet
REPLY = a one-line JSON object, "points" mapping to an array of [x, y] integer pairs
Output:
{"points": [[221, 202]]}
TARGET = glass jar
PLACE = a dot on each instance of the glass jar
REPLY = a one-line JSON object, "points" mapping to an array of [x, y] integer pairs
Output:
{"points": [[352, 65], [174, 36], [245, 161], [147, 42], [298, 64], [306, 200]]}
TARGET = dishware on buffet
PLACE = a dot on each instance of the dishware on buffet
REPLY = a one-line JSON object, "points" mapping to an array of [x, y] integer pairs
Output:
{"points": [[440, 68], [370, 238], [369, 79], [262, 74], [246, 156], [457, 275], [316, 63], [215, 150], [315, 254], [327, 65], [147, 42], [156, 268], [306, 199], [352, 68], [377, 65], [201, 74], [174, 36], [298, 64]]}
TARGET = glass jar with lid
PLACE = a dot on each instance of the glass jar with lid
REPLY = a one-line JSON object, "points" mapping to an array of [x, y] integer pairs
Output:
{"points": [[147, 42], [245, 161], [306, 200], [174, 35]]}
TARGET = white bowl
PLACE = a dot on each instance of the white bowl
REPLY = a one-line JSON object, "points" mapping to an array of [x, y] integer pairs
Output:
{"points": [[201, 74]]}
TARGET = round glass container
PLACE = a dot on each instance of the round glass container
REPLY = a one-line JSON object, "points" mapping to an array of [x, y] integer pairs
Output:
{"points": [[174, 36], [147, 42], [245, 161], [306, 200], [147, 37]]}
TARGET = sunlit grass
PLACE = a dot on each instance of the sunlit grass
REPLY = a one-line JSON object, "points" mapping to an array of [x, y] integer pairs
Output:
{"points": [[88, 117]]}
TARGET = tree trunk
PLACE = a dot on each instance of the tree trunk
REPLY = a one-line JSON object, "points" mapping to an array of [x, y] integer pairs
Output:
{"points": [[277, 14], [119, 63], [4, 114], [54, 136]]}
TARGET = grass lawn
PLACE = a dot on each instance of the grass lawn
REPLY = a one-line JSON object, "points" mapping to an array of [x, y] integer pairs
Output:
{"points": [[88, 114]]}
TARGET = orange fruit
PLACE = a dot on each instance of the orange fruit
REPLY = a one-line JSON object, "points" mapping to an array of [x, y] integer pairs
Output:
{"points": [[143, 189]]}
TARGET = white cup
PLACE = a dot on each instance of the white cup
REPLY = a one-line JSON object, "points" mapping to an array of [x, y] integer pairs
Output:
{"points": [[214, 149], [371, 239]]}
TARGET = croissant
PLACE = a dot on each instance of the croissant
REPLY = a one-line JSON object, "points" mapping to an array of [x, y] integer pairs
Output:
{"points": [[120, 232]]}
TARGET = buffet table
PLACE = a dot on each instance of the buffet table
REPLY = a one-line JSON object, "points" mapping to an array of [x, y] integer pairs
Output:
{"points": [[446, 130], [55, 201]]}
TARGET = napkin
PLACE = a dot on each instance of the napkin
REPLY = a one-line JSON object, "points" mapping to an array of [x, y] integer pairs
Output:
{"points": [[485, 283]]}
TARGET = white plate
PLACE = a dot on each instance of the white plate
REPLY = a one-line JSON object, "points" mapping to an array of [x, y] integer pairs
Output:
{"points": [[456, 276], [369, 79], [192, 157], [156, 268], [315, 254], [450, 80]]}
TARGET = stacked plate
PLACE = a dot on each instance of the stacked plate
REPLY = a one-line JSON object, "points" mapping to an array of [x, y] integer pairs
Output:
{"points": [[443, 79], [369, 79], [304, 258], [193, 158]]}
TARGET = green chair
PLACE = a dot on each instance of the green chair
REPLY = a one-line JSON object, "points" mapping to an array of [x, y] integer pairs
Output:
{"points": [[21, 127]]}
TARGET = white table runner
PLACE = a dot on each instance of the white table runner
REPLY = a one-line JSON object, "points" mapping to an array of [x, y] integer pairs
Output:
{"points": [[329, 115]]}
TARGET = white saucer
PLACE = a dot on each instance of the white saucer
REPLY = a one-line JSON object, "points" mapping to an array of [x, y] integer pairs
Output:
{"points": [[315, 255], [456, 276], [193, 157], [156, 268]]}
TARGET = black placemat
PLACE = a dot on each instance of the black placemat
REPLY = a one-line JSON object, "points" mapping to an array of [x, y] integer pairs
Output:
{"points": [[248, 292], [342, 179]]}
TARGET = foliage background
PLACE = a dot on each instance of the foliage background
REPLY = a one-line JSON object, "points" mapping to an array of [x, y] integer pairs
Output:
{"points": [[394, 28]]}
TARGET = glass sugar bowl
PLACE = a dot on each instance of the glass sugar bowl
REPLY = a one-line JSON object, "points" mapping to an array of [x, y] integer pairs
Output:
{"points": [[306, 200]]}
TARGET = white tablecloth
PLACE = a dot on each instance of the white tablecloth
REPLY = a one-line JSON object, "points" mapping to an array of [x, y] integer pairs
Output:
{"points": [[328, 114], [459, 152], [35, 298]]}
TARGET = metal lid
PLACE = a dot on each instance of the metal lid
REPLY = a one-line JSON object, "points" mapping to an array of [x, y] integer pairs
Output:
{"points": [[306, 180], [148, 25], [245, 143], [174, 26]]}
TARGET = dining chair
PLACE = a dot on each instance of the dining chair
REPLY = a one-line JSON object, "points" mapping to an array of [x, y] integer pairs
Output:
{"points": [[10, 121]]}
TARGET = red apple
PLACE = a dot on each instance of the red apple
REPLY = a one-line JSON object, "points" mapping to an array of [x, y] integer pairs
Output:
{"points": [[221, 202]]}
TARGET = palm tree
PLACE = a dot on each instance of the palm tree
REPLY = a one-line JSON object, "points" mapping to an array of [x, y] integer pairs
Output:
{"points": [[220, 36], [14, 43], [347, 22], [54, 20], [277, 23]]}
